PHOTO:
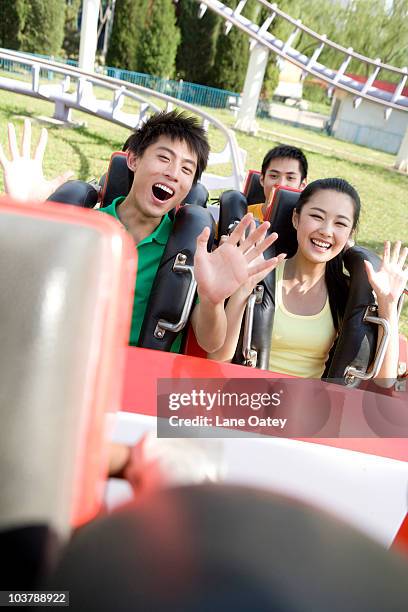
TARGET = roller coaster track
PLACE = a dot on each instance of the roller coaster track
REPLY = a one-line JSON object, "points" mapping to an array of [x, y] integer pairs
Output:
{"points": [[70, 88], [310, 65]]}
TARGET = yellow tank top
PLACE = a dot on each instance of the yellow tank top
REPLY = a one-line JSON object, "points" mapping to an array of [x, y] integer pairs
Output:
{"points": [[256, 210], [300, 344]]}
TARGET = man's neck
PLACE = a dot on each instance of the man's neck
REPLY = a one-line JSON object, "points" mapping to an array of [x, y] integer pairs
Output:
{"points": [[137, 224], [264, 209]]}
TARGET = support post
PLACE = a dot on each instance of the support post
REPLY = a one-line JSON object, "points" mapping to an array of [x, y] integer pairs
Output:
{"points": [[89, 35], [401, 163], [258, 61]]}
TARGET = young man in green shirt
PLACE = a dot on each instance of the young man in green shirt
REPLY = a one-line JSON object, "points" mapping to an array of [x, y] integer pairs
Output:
{"points": [[166, 155]]}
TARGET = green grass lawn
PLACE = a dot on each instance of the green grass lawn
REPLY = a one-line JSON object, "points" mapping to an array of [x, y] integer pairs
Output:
{"points": [[87, 149]]}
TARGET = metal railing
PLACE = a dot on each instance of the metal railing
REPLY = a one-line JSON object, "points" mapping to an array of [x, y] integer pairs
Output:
{"points": [[75, 90], [193, 93]]}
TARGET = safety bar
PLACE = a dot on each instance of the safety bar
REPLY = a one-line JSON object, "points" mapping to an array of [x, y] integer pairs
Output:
{"points": [[250, 354], [351, 373], [179, 267]]}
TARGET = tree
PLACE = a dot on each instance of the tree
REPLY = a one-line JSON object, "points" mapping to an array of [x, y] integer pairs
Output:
{"points": [[196, 53], [271, 79], [394, 37], [374, 28], [127, 23], [11, 23], [159, 39], [377, 29], [43, 29], [232, 53], [106, 9], [70, 44]]}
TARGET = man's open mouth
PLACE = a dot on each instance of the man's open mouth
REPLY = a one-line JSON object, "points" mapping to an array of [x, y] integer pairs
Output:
{"points": [[162, 192], [321, 244]]}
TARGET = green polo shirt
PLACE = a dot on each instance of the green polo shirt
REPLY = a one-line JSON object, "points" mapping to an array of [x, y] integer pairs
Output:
{"points": [[150, 251]]}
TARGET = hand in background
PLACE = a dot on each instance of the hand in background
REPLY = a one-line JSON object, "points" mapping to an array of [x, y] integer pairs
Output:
{"points": [[390, 280], [24, 180], [154, 463]]}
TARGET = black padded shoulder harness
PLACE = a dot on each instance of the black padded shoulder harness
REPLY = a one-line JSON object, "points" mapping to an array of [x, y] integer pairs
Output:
{"points": [[174, 281]]}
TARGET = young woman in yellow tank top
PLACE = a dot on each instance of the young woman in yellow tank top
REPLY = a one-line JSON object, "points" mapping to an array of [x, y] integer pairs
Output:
{"points": [[311, 288]]}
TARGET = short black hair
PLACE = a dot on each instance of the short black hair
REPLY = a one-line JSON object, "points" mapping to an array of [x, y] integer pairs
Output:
{"points": [[177, 126], [286, 152]]}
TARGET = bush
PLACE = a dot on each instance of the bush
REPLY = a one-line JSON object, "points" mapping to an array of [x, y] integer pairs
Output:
{"points": [[122, 52], [11, 23], [43, 30], [196, 53], [313, 92], [159, 40]]}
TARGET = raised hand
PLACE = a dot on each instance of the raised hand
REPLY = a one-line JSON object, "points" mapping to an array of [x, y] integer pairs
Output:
{"points": [[238, 261], [390, 280], [154, 463], [23, 175]]}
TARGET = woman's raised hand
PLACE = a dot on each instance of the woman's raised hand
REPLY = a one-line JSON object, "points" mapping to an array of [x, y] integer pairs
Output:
{"points": [[24, 180], [390, 280], [238, 261]]}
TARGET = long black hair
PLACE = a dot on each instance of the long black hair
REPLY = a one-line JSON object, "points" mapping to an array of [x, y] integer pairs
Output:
{"points": [[336, 281]]}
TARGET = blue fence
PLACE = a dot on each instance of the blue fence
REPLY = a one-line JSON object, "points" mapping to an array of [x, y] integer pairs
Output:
{"points": [[199, 95]]}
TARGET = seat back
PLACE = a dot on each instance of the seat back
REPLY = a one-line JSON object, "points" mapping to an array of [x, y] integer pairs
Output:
{"points": [[118, 179], [253, 189], [279, 214], [288, 556], [233, 206], [67, 278], [77, 193]]}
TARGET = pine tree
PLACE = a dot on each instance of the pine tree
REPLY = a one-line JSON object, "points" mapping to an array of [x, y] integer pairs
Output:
{"points": [[11, 23], [127, 25], [71, 30], [232, 54], [196, 53], [159, 39], [43, 30]]}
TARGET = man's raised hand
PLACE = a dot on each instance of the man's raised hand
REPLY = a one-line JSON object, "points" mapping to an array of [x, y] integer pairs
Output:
{"points": [[24, 180]]}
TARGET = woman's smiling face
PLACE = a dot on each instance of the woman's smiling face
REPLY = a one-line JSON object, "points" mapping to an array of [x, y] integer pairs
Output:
{"points": [[324, 225]]}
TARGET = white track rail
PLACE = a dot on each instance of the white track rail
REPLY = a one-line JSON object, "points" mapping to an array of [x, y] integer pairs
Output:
{"points": [[310, 65], [74, 90]]}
